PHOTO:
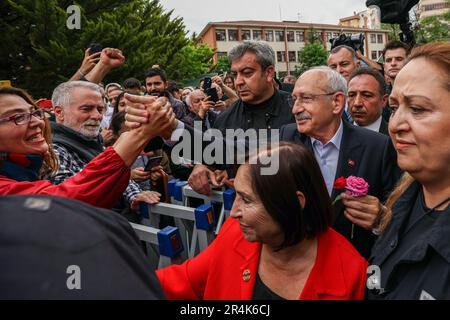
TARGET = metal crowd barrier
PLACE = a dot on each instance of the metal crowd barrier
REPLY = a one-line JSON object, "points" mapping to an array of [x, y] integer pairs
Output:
{"points": [[180, 193], [195, 224], [167, 240]]}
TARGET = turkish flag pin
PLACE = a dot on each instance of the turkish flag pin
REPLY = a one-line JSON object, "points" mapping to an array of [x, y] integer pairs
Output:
{"points": [[351, 162]]}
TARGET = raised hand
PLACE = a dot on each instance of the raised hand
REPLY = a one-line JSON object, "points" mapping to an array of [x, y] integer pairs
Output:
{"points": [[153, 116], [89, 62], [112, 58]]}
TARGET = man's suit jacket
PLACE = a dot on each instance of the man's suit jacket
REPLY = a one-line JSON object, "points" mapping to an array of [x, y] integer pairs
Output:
{"points": [[384, 127], [227, 269], [365, 154]]}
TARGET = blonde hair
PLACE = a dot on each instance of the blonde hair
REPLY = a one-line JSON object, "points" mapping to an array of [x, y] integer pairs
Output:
{"points": [[50, 165]]}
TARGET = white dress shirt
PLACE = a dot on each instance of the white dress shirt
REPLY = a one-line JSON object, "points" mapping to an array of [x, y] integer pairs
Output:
{"points": [[327, 155], [374, 126]]}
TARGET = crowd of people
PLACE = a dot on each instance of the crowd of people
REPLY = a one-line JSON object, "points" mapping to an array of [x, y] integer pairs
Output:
{"points": [[286, 238]]}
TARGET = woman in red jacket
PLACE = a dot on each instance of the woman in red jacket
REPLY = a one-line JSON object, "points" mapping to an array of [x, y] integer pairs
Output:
{"points": [[278, 243], [26, 154]]}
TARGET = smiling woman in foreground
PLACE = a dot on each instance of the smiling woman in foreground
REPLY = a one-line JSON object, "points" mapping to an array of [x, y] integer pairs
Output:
{"points": [[26, 154], [277, 244]]}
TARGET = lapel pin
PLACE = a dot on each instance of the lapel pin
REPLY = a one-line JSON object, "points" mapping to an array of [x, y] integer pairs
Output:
{"points": [[246, 275], [351, 162]]}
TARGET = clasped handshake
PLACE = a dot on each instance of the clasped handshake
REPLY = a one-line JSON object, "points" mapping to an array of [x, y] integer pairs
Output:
{"points": [[151, 115]]}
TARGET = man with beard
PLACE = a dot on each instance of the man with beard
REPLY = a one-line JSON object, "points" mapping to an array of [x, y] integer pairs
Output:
{"points": [[79, 109], [156, 85]]}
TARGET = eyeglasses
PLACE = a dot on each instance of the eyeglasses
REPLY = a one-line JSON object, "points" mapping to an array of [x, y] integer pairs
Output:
{"points": [[24, 118], [308, 98]]}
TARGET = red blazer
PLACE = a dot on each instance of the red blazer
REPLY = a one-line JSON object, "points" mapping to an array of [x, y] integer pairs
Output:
{"points": [[101, 183], [227, 270]]}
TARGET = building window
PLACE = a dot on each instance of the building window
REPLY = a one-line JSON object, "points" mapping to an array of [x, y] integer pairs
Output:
{"points": [[379, 38], [373, 38], [435, 6], [232, 35], [374, 55], [245, 34], [221, 54], [279, 36], [269, 35], [300, 36], [291, 55], [298, 56], [380, 53], [221, 35], [281, 56], [291, 36], [257, 35], [329, 36]]}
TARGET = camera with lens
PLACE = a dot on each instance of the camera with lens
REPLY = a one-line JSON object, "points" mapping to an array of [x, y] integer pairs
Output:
{"points": [[356, 42]]}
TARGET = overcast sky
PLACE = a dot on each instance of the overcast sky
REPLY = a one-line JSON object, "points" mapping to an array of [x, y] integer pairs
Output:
{"points": [[197, 13]]}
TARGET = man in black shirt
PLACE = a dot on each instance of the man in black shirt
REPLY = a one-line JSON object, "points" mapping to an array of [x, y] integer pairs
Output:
{"points": [[260, 106]]}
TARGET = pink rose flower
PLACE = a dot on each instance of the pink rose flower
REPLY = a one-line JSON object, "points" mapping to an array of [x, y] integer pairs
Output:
{"points": [[356, 187]]}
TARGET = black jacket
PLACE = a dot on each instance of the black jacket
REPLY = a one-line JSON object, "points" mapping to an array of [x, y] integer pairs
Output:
{"points": [[42, 236], [365, 154], [424, 269], [270, 114], [384, 127]]}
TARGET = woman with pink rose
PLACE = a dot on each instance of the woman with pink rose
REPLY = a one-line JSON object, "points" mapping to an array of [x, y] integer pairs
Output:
{"points": [[412, 255]]}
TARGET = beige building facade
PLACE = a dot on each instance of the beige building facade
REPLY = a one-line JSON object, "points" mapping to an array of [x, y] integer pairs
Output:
{"points": [[430, 8], [286, 38]]}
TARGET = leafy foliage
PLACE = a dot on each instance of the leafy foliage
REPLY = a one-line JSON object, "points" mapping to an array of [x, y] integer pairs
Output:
{"points": [[38, 50], [313, 54]]}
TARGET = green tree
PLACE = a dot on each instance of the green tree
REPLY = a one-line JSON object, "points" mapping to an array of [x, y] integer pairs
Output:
{"points": [[313, 54], [433, 29], [313, 35], [194, 61], [38, 50], [429, 29], [223, 65], [394, 30]]}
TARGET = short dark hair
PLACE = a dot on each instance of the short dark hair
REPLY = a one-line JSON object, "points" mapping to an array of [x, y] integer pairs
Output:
{"points": [[156, 72], [393, 44], [116, 122], [132, 83], [298, 171], [349, 49], [265, 56], [172, 86], [371, 72], [116, 105]]}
